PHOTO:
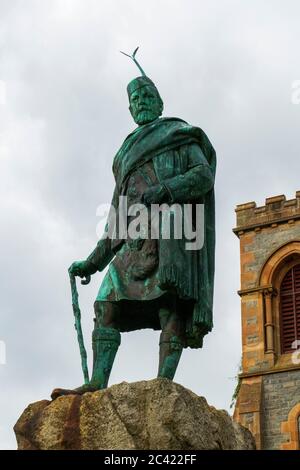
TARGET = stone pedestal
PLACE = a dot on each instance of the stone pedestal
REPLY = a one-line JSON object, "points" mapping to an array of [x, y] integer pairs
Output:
{"points": [[156, 414]]}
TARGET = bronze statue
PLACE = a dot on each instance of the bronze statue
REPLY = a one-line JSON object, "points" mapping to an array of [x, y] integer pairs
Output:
{"points": [[154, 282]]}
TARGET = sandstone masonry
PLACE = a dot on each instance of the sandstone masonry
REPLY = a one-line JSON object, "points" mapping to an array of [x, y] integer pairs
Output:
{"points": [[269, 396]]}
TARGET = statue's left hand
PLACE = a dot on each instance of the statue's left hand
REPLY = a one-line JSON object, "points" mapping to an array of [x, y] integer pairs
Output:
{"points": [[155, 195], [82, 268]]}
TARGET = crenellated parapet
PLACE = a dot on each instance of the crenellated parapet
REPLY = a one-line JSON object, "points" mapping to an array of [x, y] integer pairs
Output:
{"points": [[277, 210]]}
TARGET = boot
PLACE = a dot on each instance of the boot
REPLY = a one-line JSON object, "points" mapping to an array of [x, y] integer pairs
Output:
{"points": [[170, 349], [106, 342]]}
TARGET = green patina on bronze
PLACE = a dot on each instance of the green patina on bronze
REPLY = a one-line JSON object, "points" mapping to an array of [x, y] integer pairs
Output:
{"points": [[77, 316], [167, 143], [156, 284]]}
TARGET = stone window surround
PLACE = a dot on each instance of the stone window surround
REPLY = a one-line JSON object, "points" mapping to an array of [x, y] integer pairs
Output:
{"points": [[291, 427], [270, 278]]}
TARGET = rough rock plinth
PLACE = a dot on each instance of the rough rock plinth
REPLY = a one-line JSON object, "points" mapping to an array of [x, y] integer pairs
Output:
{"points": [[155, 414]]}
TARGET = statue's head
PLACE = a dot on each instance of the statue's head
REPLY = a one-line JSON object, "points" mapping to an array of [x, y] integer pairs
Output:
{"points": [[145, 103]]}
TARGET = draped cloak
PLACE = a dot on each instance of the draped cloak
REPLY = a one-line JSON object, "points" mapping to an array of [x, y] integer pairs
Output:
{"points": [[189, 272]]}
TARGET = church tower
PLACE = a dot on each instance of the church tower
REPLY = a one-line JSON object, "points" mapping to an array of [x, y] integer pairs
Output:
{"points": [[268, 400]]}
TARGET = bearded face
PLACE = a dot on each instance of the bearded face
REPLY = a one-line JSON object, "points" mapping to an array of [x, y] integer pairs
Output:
{"points": [[145, 105]]}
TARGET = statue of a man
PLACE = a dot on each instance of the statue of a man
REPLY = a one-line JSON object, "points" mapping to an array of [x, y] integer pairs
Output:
{"points": [[154, 283]]}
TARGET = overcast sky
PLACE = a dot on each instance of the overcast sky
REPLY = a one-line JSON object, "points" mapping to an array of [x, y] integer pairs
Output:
{"points": [[226, 66]]}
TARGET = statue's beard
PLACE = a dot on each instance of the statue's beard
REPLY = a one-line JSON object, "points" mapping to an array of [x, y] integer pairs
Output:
{"points": [[143, 117]]}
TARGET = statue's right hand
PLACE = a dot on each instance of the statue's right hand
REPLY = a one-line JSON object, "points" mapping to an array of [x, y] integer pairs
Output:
{"points": [[82, 268]]}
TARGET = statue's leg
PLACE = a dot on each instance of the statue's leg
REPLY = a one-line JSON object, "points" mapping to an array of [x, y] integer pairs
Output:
{"points": [[106, 341], [171, 339]]}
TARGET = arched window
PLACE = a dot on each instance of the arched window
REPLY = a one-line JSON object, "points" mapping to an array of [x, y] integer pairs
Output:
{"points": [[292, 428], [290, 309]]}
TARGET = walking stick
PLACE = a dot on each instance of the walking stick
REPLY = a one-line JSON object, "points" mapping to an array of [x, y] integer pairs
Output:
{"points": [[77, 316]]}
